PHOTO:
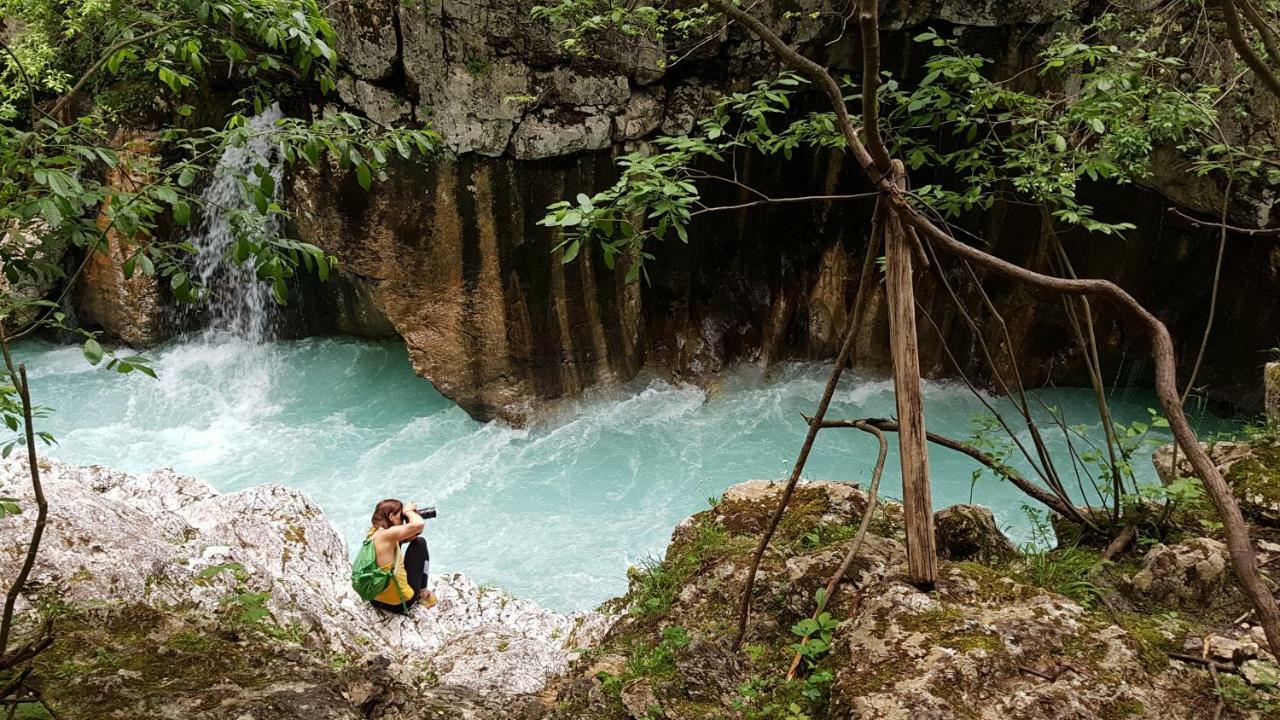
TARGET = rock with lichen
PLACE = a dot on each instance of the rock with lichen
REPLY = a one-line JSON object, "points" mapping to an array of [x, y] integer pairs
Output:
{"points": [[1192, 572], [984, 644], [1251, 469], [969, 532]]}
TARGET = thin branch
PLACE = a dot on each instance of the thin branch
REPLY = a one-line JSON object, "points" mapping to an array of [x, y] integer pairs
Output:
{"points": [[1195, 222], [1013, 476], [869, 19], [19, 377], [1245, 50], [1264, 29], [842, 359], [1213, 295], [26, 79], [102, 60], [872, 496], [783, 201]]}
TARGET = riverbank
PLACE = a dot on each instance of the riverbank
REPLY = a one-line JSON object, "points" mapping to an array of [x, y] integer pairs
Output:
{"points": [[172, 600]]}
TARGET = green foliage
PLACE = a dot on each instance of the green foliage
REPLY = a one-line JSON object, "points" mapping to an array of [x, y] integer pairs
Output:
{"points": [[815, 637], [67, 182], [248, 607], [175, 42], [1069, 570], [986, 137], [9, 506], [655, 585], [659, 660], [996, 139], [1243, 697], [776, 698]]}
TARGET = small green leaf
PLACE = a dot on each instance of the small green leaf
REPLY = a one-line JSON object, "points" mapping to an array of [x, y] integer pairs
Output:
{"points": [[181, 212], [571, 251], [92, 351]]}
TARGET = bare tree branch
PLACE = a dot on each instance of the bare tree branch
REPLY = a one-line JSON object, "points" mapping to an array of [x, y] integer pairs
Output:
{"points": [[872, 496], [1245, 50], [1196, 222], [19, 377], [842, 359]]}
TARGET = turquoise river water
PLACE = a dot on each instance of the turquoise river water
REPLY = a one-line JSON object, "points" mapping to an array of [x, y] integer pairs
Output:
{"points": [[556, 512]]}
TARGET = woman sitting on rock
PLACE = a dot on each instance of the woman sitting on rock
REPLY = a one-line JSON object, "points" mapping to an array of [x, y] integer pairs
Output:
{"points": [[395, 523]]}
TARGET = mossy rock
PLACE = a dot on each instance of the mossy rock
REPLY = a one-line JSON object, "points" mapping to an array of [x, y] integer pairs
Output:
{"points": [[1255, 481]]}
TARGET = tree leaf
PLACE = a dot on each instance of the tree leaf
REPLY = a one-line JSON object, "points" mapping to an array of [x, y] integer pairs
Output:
{"points": [[92, 351]]}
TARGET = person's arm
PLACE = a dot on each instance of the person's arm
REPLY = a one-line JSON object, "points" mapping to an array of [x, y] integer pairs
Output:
{"points": [[409, 530]]}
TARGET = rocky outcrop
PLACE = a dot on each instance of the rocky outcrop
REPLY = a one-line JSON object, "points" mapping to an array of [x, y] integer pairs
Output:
{"points": [[969, 532], [1190, 572], [1251, 469], [129, 545], [984, 644], [30, 245]]}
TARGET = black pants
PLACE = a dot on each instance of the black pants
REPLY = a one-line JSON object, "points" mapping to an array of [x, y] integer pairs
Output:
{"points": [[417, 560]]}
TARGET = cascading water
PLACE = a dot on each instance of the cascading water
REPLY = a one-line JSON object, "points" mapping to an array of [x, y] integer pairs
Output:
{"points": [[238, 302]]}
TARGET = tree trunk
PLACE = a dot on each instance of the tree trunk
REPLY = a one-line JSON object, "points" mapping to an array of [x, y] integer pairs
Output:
{"points": [[917, 500]]}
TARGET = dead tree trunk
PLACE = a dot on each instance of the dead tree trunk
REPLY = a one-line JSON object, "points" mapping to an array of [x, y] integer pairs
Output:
{"points": [[917, 500]]}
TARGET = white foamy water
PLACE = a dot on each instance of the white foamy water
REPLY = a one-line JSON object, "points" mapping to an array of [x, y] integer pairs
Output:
{"points": [[237, 301], [555, 513]]}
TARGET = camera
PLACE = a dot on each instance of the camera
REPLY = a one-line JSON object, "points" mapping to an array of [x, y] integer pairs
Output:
{"points": [[427, 513]]}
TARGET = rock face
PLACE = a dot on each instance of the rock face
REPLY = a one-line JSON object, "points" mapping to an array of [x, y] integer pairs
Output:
{"points": [[130, 309], [164, 540], [969, 532], [1192, 572], [452, 257]]}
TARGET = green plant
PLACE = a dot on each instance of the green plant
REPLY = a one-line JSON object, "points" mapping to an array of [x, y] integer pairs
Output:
{"points": [[656, 660], [248, 607], [815, 634], [1069, 570], [192, 642], [1244, 697], [655, 584]]}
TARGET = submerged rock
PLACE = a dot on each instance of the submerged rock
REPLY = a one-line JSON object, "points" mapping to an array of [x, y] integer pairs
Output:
{"points": [[164, 540]]}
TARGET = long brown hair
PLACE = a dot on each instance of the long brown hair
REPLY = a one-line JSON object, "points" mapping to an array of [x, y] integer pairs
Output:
{"points": [[383, 512]]}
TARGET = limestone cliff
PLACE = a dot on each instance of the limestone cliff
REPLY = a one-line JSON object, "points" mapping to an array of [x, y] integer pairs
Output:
{"points": [[448, 256]]}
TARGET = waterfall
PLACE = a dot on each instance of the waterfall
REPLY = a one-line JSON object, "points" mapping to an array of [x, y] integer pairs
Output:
{"points": [[237, 302]]}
